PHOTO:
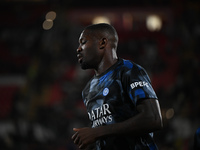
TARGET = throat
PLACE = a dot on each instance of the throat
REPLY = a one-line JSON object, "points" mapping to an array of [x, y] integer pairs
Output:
{"points": [[103, 67]]}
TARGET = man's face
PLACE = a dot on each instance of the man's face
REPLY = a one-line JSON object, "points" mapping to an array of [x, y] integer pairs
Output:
{"points": [[88, 51]]}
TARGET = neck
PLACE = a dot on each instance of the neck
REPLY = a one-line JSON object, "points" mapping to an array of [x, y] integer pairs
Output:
{"points": [[104, 65]]}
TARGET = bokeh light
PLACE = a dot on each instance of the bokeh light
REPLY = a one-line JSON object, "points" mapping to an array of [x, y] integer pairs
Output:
{"points": [[169, 113], [153, 23], [47, 24], [101, 19], [51, 15]]}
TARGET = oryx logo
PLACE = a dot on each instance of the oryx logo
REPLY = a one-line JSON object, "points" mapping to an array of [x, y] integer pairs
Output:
{"points": [[105, 91]]}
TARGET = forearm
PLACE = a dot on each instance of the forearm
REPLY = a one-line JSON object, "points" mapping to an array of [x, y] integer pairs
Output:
{"points": [[147, 120], [133, 126]]}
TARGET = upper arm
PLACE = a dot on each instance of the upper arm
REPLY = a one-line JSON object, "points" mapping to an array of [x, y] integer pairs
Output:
{"points": [[150, 108]]}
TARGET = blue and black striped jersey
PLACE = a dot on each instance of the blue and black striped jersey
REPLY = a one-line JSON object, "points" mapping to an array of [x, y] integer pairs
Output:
{"points": [[112, 97]]}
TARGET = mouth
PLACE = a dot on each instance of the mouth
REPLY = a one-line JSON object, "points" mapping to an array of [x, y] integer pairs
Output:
{"points": [[80, 57]]}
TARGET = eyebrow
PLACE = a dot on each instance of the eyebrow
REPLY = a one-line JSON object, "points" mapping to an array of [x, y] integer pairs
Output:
{"points": [[81, 40]]}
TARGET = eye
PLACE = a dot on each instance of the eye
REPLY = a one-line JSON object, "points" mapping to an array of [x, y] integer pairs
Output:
{"points": [[83, 42]]}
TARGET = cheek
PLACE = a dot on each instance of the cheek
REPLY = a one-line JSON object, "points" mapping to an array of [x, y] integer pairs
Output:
{"points": [[83, 47], [90, 52]]}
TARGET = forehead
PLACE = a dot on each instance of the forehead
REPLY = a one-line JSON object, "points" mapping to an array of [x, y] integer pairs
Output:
{"points": [[87, 33], [83, 35]]}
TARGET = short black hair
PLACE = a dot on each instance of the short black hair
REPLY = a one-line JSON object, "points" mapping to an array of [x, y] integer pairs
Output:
{"points": [[102, 27]]}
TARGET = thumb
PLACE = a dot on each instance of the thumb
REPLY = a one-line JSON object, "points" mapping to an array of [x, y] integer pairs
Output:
{"points": [[76, 129]]}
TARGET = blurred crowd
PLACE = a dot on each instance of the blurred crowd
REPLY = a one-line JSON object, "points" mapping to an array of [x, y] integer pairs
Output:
{"points": [[41, 82]]}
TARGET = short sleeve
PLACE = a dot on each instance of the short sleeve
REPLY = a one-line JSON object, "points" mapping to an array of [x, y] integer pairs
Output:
{"points": [[139, 84]]}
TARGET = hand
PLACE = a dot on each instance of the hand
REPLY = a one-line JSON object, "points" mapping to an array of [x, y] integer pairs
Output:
{"points": [[84, 136]]}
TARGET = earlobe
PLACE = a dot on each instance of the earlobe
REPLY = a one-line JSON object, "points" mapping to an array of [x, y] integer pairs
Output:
{"points": [[103, 43]]}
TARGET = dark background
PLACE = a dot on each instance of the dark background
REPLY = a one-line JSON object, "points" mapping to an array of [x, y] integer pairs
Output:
{"points": [[41, 82]]}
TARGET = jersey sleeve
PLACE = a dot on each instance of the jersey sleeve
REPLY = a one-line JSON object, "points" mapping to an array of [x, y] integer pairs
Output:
{"points": [[138, 84]]}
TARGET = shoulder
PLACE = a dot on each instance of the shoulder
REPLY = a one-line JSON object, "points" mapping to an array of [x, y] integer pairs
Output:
{"points": [[131, 67], [133, 72]]}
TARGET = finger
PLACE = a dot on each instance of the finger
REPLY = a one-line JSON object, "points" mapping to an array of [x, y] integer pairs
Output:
{"points": [[82, 146], [74, 136], [77, 141]]}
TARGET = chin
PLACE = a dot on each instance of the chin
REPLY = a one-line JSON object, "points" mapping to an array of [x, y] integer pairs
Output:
{"points": [[85, 66]]}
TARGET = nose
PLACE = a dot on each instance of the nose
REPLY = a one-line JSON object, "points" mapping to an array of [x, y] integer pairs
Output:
{"points": [[79, 49]]}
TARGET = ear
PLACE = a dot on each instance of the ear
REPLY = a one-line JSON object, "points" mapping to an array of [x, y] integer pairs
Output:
{"points": [[103, 43]]}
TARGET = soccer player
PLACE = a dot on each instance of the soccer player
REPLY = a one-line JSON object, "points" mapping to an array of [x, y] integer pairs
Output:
{"points": [[122, 106]]}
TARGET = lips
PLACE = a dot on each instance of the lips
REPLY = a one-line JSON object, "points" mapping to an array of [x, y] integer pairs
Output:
{"points": [[80, 57]]}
